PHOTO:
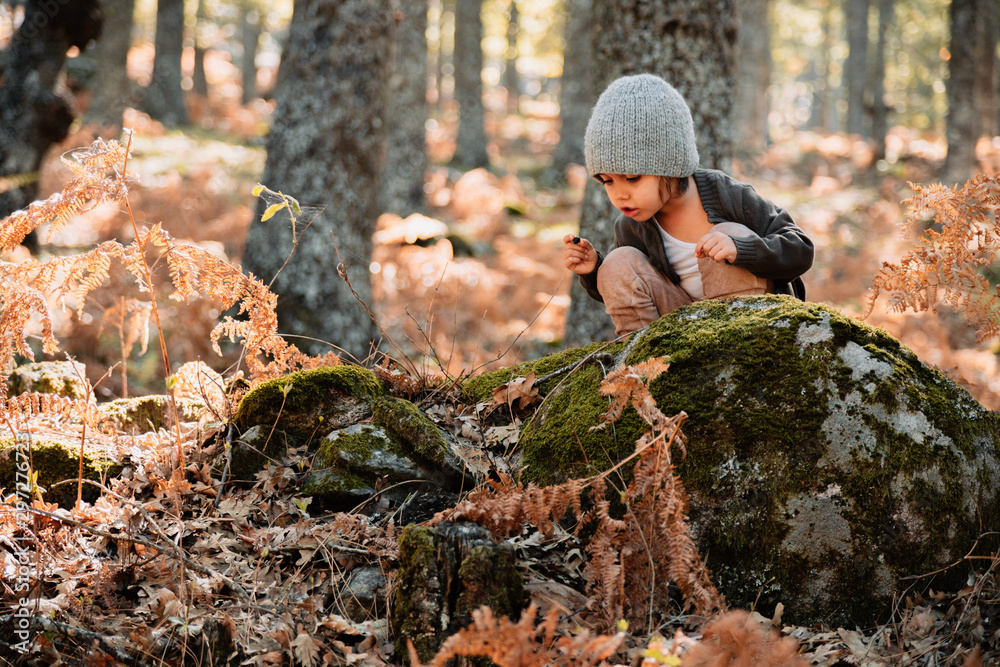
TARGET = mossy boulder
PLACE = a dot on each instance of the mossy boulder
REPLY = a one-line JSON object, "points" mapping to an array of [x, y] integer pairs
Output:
{"points": [[142, 414], [298, 409], [824, 460], [401, 445], [309, 404], [445, 573], [54, 461], [62, 378]]}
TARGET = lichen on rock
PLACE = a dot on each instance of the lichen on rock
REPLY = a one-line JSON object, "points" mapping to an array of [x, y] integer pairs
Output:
{"points": [[142, 414], [62, 378], [824, 460]]}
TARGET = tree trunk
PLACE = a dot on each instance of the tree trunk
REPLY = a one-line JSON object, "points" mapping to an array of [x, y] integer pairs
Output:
{"points": [[966, 66], [113, 91], [470, 149], [326, 147], [510, 80], [406, 152], [823, 110], [691, 47], [880, 120], [576, 87], [856, 67], [986, 83], [36, 110], [199, 82], [250, 29], [753, 66], [164, 96]]}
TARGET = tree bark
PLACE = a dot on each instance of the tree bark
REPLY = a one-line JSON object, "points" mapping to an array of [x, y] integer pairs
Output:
{"points": [[113, 90], [164, 95], [510, 79], [470, 148], [576, 87], [753, 66], [880, 113], [406, 154], [36, 110], [690, 44], [326, 147], [250, 29], [965, 68], [855, 69], [199, 81], [823, 116]]}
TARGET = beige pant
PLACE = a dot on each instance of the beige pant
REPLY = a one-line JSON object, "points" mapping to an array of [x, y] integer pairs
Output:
{"points": [[635, 294]]}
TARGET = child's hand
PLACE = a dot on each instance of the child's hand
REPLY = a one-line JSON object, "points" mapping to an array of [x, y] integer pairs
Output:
{"points": [[579, 255], [716, 246]]}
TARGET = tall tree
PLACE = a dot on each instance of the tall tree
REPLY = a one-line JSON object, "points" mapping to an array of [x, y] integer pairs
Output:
{"points": [[690, 46], [856, 67], [406, 152], [36, 109], [326, 147], [510, 77], [753, 78], [250, 30], [967, 67], [164, 99], [113, 90], [199, 81], [470, 149], [576, 87], [823, 114], [880, 112]]}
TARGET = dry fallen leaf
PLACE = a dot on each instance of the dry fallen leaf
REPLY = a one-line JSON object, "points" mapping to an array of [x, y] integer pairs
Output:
{"points": [[520, 390]]}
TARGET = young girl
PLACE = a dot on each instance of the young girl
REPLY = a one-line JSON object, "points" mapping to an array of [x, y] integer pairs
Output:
{"points": [[685, 234]]}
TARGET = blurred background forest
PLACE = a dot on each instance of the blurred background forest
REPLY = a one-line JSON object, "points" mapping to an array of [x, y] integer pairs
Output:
{"points": [[436, 146]]}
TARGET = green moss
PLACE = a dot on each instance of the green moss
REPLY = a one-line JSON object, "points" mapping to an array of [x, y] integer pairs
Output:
{"points": [[480, 388], [341, 467], [769, 384], [490, 578], [56, 462], [404, 420], [149, 413], [305, 402], [418, 584]]}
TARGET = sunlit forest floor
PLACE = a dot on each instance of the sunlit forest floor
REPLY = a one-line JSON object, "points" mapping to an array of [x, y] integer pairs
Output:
{"points": [[496, 292]]}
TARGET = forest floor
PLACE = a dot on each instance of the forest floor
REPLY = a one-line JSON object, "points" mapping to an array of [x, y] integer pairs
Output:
{"points": [[499, 297]]}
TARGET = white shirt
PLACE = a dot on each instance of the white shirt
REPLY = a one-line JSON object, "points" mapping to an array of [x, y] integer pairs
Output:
{"points": [[680, 254]]}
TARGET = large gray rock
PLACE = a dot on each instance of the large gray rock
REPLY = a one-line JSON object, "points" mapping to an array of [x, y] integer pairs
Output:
{"points": [[825, 462]]}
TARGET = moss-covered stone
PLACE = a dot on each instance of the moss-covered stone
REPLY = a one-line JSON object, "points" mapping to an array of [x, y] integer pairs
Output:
{"points": [[446, 573], [54, 462], [62, 378], [403, 445], [311, 403], [824, 461], [480, 387], [142, 414]]}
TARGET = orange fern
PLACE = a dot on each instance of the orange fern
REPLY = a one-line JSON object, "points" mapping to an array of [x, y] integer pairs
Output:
{"points": [[942, 266]]}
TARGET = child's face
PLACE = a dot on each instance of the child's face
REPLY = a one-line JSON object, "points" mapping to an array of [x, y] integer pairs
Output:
{"points": [[637, 196]]}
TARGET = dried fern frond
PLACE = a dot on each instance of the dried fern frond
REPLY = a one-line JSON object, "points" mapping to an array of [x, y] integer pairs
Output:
{"points": [[524, 644], [97, 179], [941, 267]]}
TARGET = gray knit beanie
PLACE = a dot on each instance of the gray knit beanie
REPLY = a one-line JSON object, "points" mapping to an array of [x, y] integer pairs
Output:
{"points": [[641, 125]]}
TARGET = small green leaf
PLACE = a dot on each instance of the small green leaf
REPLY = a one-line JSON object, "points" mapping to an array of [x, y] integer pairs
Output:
{"points": [[257, 190], [294, 203], [271, 210]]}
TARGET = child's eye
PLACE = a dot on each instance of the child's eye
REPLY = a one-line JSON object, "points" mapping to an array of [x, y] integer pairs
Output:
{"points": [[632, 179]]}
